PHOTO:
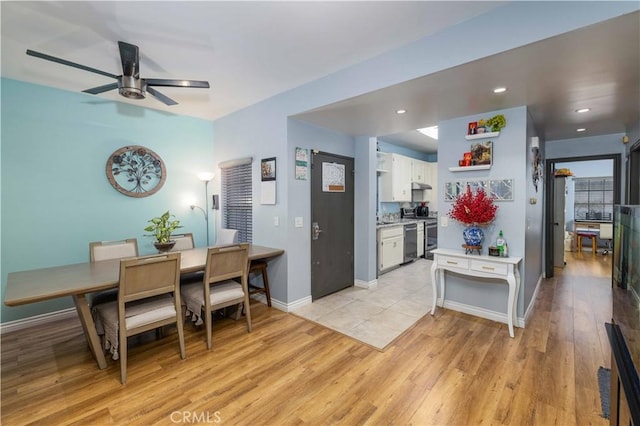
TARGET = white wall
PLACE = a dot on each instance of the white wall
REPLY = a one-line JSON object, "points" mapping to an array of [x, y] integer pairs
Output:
{"points": [[263, 128], [509, 162], [534, 222], [304, 135], [590, 146]]}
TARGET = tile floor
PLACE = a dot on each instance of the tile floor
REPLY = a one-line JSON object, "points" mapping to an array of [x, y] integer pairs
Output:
{"points": [[377, 316]]}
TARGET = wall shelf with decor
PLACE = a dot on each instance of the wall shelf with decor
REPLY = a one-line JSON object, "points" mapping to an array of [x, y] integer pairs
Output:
{"points": [[470, 168], [482, 136]]}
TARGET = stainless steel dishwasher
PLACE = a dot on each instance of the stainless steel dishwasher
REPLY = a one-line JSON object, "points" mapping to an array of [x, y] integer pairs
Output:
{"points": [[410, 242]]}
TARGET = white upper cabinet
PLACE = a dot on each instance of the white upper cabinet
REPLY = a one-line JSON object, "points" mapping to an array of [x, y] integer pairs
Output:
{"points": [[431, 195], [395, 184], [419, 171]]}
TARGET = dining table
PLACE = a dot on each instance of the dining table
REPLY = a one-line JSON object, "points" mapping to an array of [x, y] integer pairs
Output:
{"points": [[80, 279]]}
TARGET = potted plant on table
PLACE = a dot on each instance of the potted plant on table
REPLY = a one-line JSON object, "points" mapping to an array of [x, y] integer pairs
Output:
{"points": [[162, 227], [474, 210]]}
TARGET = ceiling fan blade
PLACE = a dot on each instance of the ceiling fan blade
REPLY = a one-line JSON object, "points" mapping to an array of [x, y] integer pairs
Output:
{"points": [[176, 83], [101, 89], [165, 99], [69, 63], [130, 57]]}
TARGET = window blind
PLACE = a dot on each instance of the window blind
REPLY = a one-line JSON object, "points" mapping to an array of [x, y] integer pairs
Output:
{"points": [[237, 200]]}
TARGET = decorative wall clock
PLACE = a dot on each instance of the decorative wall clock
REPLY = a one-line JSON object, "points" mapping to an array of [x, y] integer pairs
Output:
{"points": [[136, 171]]}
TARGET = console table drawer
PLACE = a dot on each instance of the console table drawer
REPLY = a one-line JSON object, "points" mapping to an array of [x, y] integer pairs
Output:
{"points": [[454, 262], [489, 267]]}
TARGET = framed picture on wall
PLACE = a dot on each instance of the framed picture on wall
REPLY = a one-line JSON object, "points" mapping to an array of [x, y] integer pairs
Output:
{"points": [[481, 153], [268, 169]]}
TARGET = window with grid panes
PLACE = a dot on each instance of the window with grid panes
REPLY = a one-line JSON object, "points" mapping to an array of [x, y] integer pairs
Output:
{"points": [[593, 198], [237, 200]]}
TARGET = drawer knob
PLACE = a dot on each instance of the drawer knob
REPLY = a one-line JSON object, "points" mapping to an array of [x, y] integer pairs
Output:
{"points": [[488, 268], [451, 262]]}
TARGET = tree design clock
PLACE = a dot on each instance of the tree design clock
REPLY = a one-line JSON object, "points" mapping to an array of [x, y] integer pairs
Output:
{"points": [[136, 171]]}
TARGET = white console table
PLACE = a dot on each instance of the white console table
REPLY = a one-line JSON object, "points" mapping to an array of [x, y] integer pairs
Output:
{"points": [[501, 268]]}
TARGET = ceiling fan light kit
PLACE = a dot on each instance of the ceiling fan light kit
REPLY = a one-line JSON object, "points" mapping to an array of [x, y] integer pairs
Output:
{"points": [[129, 84], [132, 88]]}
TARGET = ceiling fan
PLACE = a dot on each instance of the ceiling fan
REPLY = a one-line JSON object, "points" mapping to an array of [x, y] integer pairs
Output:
{"points": [[129, 84]]}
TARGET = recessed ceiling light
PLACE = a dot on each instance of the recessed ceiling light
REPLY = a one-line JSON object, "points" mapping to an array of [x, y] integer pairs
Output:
{"points": [[432, 132], [499, 90], [581, 129], [581, 110], [401, 111]]}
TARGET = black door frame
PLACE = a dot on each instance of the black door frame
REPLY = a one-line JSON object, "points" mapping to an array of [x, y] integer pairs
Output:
{"points": [[550, 165], [633, 174]]}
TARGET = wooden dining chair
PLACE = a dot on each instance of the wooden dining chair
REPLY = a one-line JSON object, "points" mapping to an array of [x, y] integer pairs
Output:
{"points": [[218, 289], [186, 242], [108, 250], [148, 298], [226, 236], [183, 241]]}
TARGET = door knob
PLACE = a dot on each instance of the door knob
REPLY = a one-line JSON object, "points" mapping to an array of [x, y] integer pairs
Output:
{"points": [[315, 231]]}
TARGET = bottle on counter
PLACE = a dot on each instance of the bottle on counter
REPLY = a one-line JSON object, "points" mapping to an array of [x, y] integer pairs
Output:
{"points": [[501, 243]]}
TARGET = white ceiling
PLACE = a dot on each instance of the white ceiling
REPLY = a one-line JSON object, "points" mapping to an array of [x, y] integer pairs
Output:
{"points": [[250, 51], [596, 67]]}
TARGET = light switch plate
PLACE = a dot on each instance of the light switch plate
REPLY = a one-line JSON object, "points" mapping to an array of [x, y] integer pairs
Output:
{"points": [[276, 221], [444, 221], [298, 222]]}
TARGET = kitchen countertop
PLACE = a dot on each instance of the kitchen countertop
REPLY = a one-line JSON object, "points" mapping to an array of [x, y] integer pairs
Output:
{"points": [[399, 222]]}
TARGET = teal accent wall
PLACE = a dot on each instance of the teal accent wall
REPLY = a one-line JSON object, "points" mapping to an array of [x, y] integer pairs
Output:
{"points": [[55, 194]]}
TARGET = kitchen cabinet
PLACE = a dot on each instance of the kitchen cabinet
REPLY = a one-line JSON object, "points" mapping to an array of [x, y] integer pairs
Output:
{"points": [[431, 195], [390, 247], [419, 171], [395, 184], [420, 239]]}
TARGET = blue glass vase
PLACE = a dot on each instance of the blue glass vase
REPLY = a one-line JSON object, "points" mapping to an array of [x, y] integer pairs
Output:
{"points": [[473, 235]]}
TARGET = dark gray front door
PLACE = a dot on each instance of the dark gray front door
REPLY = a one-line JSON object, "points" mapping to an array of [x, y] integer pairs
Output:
{"points": [[331, 223]]}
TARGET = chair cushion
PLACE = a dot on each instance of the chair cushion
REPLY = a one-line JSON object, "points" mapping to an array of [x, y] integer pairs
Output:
{"points": [[193, 296], [137, 313], [587, 234]]}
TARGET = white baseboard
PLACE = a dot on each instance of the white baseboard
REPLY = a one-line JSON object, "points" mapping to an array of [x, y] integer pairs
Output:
{"points": [[366, 284], [34, 321], [275, 303], [290, 307], [24, 323], [532, 303], [480, 312]]}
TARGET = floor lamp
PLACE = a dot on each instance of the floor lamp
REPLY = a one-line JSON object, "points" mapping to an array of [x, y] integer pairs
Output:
{"points": [[205, 177]]}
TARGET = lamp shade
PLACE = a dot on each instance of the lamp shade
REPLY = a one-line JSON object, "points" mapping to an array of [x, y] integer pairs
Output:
{"points": [[206, 176]]}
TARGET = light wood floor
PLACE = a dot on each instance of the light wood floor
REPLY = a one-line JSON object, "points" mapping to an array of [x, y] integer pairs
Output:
{"points": [[448, 369]]}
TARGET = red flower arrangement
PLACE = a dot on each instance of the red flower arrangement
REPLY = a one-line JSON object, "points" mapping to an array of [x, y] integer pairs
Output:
{"points": [[472, 208]]}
